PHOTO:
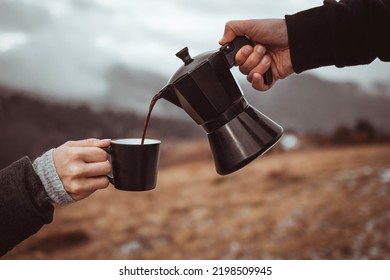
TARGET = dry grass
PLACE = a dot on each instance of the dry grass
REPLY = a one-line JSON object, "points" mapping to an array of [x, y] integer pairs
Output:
{"points": [[321, 204]]}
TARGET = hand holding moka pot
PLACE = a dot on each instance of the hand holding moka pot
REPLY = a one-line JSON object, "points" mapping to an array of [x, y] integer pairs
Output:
{"points": [[206, 90]]}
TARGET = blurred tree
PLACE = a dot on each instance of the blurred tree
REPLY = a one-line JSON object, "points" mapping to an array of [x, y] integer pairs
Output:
{"points": [[364, 132], [341, 136]]}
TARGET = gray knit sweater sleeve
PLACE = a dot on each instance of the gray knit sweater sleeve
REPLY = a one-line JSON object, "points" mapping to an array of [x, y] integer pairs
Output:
{"points": [[46, 170]]}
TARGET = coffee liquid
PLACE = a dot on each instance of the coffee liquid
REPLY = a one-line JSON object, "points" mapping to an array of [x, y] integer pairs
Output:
{"points": [[151, 106]]}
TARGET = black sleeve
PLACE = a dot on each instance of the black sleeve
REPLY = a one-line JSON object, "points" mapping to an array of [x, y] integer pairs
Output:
{"points": [[344, 33], [24, 205]]}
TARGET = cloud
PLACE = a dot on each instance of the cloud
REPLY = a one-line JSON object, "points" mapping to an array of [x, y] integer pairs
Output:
{"points": [[65, 47], [59, 57], [10, 40], [22, 17]]}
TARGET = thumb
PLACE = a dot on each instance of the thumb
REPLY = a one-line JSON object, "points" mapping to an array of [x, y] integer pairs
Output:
{"points": [[233, 29], [90, 142]]}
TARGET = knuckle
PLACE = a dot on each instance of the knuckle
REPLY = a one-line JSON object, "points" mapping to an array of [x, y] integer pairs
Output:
{"points": [[100, 182], [90, 141], [107, 167], [74, 187], [239, 61], [258, 69], [101, 154], [258, 86], [70, 143], [239, 58], [228, 24], [74, 170], [253, 61], [244, 70], [73, 154], [104, 182]]}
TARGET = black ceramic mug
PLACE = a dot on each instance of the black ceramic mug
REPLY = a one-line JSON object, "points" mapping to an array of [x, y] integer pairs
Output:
{"points": [[134, 165]]}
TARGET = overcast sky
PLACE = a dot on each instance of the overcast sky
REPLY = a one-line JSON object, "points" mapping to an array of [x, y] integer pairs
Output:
{"points": [[64, 47]]}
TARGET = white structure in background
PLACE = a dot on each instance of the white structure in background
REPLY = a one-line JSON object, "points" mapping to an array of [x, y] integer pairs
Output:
{"points": [[289, 141]]}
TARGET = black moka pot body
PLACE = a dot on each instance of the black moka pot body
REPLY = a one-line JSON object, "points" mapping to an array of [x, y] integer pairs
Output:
{"points": [[207, 91]]}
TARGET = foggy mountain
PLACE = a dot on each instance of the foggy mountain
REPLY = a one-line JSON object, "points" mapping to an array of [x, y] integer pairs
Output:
{"points": [[308, 104], [31, 123], [133, 89], [303, 102]]}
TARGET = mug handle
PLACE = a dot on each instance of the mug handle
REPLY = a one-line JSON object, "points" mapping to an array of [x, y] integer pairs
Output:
{"points": [[110, 176]]}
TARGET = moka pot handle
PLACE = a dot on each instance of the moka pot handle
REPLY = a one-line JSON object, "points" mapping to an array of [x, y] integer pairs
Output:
{"points": [[230, 50]]}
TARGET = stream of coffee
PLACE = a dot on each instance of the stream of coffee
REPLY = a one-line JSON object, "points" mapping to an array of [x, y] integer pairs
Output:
{"points": [[147, 120]]}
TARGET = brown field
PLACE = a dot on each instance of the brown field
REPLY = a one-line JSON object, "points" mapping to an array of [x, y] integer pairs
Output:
{"points": [[325, 203]]}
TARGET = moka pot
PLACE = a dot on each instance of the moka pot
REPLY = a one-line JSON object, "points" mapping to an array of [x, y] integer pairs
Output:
{"points": [[206, 90]]}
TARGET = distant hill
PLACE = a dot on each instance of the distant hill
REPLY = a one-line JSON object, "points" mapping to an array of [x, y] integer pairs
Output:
{"points": [[303, 102], [308, 104], [132, 90], [30, 125]]}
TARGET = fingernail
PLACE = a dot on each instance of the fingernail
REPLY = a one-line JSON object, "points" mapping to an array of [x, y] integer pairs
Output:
{"points": [[265, 60], [247, 50], [260, 49]]}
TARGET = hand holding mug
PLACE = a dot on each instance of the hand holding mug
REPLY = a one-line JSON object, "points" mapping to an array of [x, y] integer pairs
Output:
{"points": [[82, 166]]}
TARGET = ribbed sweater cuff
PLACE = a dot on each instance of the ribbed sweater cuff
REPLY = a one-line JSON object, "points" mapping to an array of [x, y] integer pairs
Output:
{"points": [[46, 170]]}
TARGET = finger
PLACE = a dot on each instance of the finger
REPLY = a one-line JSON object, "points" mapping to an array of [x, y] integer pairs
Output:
{"points": [[79, 188], [243, 54], [260, 68], [95, 169], [86, 154], [252, 60], [91, 154], [258, 83], [81, 195], [91, 142], [96, 183], [232, 30]]}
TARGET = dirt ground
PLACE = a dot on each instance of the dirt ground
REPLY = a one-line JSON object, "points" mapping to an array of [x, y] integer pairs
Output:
{"points": [[328, 203]]}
